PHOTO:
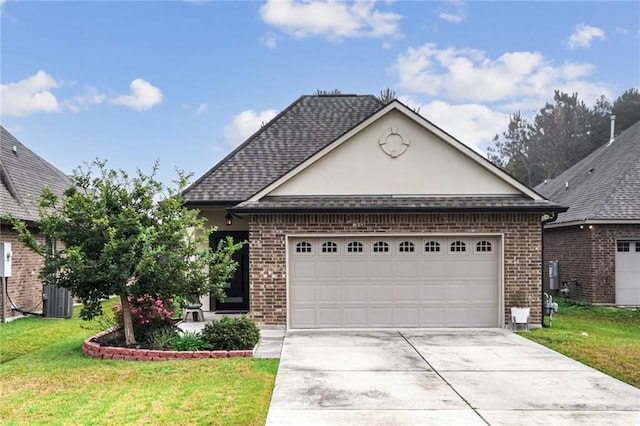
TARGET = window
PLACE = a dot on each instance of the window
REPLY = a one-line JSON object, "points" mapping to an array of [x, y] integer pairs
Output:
{"points": [[354, 247], [329, 247], [432, 247], [623, 246], [458, 247], [637, 246], [380, 247], [303, 247], [406, 247], [483, 247]]}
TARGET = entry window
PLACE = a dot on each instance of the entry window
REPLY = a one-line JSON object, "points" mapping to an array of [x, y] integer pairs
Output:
{"points": [[624, 246], [303, 247], [637, 246], [432, 247], [406, 247], [483, 247], [380, 247], [458, 247], [354, 247], [329, 247]]}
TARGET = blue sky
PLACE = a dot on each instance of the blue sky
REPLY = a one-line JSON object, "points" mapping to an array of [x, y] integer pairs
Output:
{"points": [[184, 82]]}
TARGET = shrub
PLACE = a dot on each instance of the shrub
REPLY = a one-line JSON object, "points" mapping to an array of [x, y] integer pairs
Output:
{"points": [[149, 314], [231, 334], [188, 341], [160, 338]]}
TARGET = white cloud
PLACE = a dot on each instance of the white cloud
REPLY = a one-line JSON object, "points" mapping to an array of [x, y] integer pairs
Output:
{"points": [[29, 96], [91, 96], [143, 96], [245, 124], [583, 36], [452, 11], [622, 31], [270, 40], [468, 75], [201, 108], [330, 19], [472, 124]]}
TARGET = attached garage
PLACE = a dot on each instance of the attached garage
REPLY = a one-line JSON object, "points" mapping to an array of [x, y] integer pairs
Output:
{"points": [[628, 273], [402, 281]]}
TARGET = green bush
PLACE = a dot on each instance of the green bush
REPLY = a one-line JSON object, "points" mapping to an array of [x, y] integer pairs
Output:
{"points": [[160, 338], [231, 334], [188, 341]]}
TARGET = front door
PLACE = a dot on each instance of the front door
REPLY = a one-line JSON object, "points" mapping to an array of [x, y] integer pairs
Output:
{"points": [[237, 287]]}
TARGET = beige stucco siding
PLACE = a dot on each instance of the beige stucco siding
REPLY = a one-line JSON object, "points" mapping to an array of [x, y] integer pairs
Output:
{"points": [[360, 166]]}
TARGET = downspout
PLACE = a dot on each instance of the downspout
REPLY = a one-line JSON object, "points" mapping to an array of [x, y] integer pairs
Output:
{"points": [[553, 217]]}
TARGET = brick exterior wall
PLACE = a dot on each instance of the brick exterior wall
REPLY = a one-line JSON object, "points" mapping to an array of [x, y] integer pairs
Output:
{"points": [[24, 286], [267, 236], [589, 255]]}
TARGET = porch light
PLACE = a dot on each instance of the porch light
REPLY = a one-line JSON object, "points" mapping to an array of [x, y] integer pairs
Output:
{"points": [[229, 219]]}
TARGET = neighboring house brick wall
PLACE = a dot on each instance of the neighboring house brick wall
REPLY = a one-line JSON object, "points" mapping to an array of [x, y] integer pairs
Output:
{"points": [[588, 255], [24, 286], [522, 248]]}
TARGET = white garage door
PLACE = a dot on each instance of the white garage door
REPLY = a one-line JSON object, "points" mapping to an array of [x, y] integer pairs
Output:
{"points": [[628, 273], [394, 282]]}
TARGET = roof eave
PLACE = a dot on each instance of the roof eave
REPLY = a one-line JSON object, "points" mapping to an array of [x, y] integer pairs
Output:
{"points": [[393, 209], [593, 222]]}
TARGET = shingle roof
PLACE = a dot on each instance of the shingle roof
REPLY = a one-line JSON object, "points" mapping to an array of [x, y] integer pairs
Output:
{"points": [[23, 174], [298, 132], [603, 186], [281, 204]]}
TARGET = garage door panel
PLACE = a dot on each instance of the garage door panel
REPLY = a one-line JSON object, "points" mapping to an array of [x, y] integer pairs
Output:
{"points": [[628, 273], [396, 288]]}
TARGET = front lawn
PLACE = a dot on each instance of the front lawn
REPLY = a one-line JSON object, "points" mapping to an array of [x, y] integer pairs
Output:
{"points": [[47, 380], [605, 338]]}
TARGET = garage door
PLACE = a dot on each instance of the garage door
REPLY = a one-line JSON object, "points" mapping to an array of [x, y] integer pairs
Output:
{"points": [[394, 282], [628, 273]]}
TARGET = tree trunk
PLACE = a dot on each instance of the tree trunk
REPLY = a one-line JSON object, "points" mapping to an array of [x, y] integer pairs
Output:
{"points": [[129, 337]]}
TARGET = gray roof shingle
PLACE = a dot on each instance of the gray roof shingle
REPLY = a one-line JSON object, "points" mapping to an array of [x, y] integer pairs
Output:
{"points": [[298, 132], [603, 186], [282, 204], [23, 174]]}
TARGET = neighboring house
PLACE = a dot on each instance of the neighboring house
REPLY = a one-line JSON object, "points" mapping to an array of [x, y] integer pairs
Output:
{"points": [[361, 214], [23, 174], [597, 241]]}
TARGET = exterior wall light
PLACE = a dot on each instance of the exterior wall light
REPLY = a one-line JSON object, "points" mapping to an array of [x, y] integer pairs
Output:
{"points": [[229, 219]]}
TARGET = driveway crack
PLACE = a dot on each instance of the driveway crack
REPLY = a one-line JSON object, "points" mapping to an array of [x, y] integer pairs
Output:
{"points": [[442, 378]]}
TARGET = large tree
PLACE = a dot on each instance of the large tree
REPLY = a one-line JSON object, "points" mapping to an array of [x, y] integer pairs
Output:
{"points": [[126, 236], [513, 150]]}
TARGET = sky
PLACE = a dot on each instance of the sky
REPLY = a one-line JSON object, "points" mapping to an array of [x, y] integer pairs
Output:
{"points": [[184, 82]]}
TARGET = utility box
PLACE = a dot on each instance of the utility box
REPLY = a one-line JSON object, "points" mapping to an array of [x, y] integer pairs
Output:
{"points": [[5, 260], [554, 279]]}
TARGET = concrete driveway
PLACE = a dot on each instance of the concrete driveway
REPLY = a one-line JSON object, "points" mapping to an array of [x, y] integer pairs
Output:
{"points": [[448, 377]]}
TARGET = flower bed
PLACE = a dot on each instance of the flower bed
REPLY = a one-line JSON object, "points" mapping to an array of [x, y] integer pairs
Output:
{"points": [[92, 348]]}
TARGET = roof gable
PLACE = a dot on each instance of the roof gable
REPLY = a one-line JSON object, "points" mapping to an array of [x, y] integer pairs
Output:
{"points": [[23, 175], [396, 152], [298, 132], [602, 187]]}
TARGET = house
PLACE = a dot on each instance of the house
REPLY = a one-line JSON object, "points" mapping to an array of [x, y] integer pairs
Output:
{"points": [[23, 174], [364, 214], [597, 241]]}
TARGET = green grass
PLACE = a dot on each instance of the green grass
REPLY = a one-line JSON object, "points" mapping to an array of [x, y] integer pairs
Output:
{"points": [[45, 379], [605, 338]]}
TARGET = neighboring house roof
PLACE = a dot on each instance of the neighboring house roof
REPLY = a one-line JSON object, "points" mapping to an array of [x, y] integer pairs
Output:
{"points": [[325, 153], [298, 132], [23, 175], [603, 187]]}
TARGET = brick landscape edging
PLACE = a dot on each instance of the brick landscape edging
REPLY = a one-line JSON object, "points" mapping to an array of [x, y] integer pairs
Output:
{"points": [[93, 349]]}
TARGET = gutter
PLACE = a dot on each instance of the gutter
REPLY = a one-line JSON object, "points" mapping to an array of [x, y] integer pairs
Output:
{"points": [[396, 209], [553, 217]]}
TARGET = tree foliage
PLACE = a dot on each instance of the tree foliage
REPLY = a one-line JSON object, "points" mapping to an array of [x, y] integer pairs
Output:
{"points": [[561, 134], [131, 237], [387, 95]]}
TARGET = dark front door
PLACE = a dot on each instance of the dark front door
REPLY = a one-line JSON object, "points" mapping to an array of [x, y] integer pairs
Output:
{"points": [[237, 287]]}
